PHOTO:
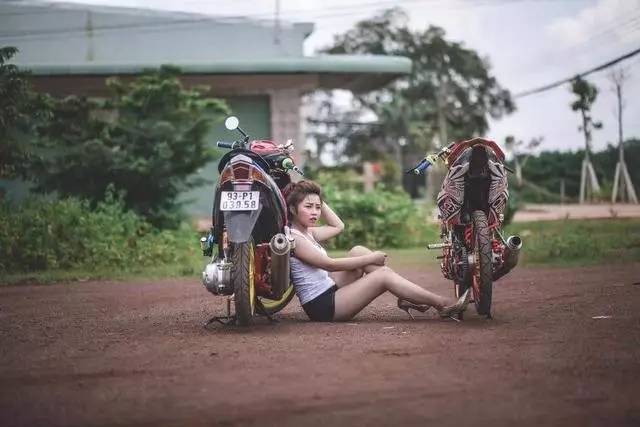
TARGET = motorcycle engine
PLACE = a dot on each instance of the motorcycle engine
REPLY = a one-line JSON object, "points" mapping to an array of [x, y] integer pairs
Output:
{"points": [[216, 277]]}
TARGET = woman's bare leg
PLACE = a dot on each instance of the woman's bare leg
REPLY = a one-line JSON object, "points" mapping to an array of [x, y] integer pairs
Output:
{"points": [[346, 277], [350, 300]]}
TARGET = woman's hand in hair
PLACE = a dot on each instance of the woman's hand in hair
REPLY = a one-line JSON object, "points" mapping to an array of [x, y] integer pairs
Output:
{"points": [[333, 227]]}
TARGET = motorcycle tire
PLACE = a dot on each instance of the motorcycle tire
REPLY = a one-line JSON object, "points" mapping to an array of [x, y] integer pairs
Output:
{"points": [[483, 255], [273, 306], [242, 278]]}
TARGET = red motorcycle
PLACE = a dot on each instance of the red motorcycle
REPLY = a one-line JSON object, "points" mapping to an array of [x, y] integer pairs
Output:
{"points": [[471, 203], [249, 243]]}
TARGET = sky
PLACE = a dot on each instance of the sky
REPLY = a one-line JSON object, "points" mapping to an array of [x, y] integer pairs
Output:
{"points": [[529, 43]]}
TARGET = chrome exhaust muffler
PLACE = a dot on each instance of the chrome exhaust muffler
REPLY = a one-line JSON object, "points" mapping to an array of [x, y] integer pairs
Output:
{"points": [[280, 247], [513, 244]]}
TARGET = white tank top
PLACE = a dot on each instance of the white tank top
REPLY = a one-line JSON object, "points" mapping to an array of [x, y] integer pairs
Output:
{"points": [[309, 281]]}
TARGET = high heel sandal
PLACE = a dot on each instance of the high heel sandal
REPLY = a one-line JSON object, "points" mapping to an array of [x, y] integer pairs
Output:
{"points": [[405, 305], [460, 306]]}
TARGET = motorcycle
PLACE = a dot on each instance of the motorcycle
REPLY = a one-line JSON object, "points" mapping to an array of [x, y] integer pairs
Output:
{"points": [[471, 207], [250, 243]]}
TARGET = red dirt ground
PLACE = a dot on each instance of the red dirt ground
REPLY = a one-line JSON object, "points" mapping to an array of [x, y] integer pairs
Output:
{"points": [[107, 353]]}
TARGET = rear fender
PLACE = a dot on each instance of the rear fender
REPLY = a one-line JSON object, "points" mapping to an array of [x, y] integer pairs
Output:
{"points": [[240, 224]]}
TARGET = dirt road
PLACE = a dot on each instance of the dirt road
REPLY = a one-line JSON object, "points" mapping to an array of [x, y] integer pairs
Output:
{"points": [[542, 212], [105, 354]]}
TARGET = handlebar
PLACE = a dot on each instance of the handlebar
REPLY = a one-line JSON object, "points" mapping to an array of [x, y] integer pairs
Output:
{"points": [[420, 167], [287, 164], [442, 154], [225, 144], [424, 164]]}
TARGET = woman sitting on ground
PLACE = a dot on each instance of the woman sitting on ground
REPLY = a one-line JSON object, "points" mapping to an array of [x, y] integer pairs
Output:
{"points": [[336, 289]]}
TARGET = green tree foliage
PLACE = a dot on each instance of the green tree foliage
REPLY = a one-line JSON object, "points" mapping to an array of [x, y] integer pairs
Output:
{"points": [[21, 110], [146, 139], [380, 218], [445, 75], [550, 167], [586, 94]]}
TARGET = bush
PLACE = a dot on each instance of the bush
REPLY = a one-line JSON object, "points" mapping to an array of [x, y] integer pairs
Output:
{"points": [[147, 137], [378, 219], [44, 234]]}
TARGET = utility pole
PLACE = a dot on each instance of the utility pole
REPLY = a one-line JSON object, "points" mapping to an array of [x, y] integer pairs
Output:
{"points": [[89, 32], [622, 181], [588, 179], [587, 95], [402, 142], [433, 173], [276, 24]]}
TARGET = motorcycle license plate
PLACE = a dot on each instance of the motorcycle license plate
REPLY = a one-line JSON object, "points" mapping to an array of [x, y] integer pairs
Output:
{"points": [[239, 200]]}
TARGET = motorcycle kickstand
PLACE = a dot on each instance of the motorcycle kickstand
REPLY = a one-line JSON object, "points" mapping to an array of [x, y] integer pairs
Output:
{"points": [[263, 311], [225, 320]]}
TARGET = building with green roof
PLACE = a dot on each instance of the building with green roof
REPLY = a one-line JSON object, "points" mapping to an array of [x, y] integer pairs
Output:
{"points": [[257, 66]]}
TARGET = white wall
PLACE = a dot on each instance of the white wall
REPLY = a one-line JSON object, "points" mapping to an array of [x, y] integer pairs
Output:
{"points": [[79, 34]]}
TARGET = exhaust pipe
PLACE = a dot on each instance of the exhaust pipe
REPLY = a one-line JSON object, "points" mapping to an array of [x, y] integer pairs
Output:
{"points": [[280, 253], [510, 256]]}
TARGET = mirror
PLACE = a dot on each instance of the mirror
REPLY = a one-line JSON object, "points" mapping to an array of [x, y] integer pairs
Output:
{"points": [[231, 122]]}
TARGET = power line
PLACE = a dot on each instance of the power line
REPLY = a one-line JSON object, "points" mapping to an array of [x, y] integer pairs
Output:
{"points": [[352, 9], [605, 42], [103, 28], [583, 74]]}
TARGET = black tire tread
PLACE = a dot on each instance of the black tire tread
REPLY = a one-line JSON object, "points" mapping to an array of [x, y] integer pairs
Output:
{"points": [[240, 257], [483, 239]]}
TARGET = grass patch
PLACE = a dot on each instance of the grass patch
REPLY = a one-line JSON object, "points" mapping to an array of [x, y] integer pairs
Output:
{"points": [[191, 267], [570, 242], [576, 242], [410, 258], [550, 243]]}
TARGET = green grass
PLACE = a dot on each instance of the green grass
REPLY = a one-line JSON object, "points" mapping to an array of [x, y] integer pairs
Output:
{"points": [[410, 258], [162, 271], [579, 242], [548, 243]]}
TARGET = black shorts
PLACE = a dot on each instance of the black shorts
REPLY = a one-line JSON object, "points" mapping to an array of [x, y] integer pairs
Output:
{"points": [[323, 307]]}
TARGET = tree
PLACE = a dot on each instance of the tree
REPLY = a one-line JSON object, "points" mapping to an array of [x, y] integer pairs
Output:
{"points": [[621, 181], [21, 110], [521, 153], [586, 95], [145, 139], [450, 91], [549, 168]]}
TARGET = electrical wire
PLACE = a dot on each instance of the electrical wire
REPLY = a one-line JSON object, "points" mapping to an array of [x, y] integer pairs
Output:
{"points": [[583, 74], [348, 10]]}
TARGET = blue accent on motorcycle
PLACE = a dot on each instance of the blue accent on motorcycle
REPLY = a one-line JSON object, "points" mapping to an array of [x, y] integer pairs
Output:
{"points": [[422, 166]]}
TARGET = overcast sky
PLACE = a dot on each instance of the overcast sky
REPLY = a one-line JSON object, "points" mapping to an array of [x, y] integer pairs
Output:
{"points": [[528, 42]]}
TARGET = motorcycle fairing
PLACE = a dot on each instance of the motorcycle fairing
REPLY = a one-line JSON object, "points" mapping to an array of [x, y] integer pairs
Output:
{"points": [[462, 147], [255, 157], [451, 198], [240, 225], [498, 192]]}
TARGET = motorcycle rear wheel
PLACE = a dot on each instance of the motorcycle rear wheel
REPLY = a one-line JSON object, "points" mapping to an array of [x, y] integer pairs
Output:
{"points": [[242, 278], [483, 253], [272, 306]]}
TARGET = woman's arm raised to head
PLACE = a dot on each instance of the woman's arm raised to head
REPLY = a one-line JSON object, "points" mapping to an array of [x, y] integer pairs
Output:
{"points": [[306, 253], [333, 227]]}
